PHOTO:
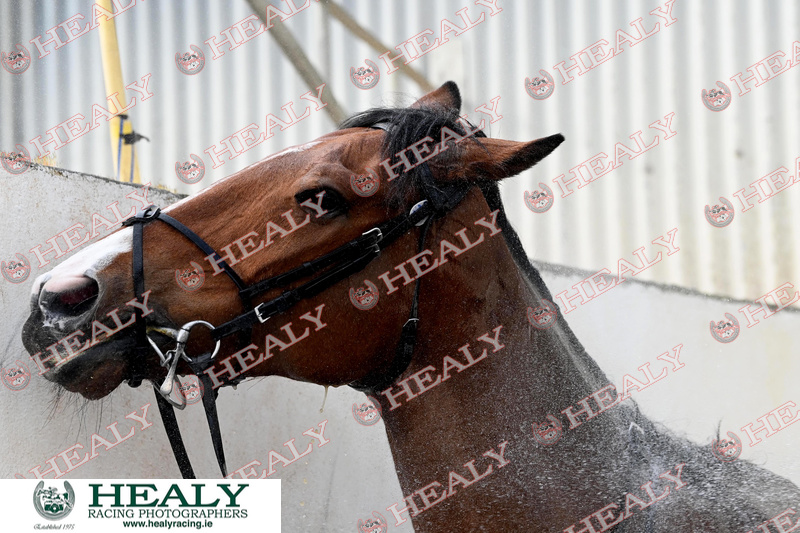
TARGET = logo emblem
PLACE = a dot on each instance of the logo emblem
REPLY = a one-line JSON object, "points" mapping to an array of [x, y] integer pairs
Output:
{"points": [[725, 331], [16, 271], [721, 214], [16, 62], [365, 298], [377, 524], [191, 62], [365, 77], [367, 413], [191, 171], [539, 201], [190, 279], [365, 184], [727, 451], [16, 377], [191, 390], [544, 316], [717, 99], [52, 504], [548, 433], [16, 162], [540, 88]]}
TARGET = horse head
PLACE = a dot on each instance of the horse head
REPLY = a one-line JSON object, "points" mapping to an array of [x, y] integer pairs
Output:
{"points": [[270, 218]]}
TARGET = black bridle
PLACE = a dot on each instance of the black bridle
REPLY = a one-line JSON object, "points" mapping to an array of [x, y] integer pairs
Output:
{"points": [[327, 270]]}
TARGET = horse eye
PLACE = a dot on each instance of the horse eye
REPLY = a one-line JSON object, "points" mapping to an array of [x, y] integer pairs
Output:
{"points": [[322, 202]]}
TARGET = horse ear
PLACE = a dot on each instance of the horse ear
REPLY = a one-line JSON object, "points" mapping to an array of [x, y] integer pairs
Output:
{"points": [[499, 159], [447, 96]]}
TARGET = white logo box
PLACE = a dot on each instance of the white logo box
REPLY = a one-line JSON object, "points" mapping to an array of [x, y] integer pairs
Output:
{"points": [[110, 505]]}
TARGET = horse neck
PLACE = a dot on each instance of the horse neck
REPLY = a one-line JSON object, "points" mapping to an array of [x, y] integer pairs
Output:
{"points": [[447, 420]]}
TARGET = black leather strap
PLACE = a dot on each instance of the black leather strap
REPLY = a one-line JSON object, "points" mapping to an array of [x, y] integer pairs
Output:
{"points": [[136, 371], [281, 304], [347, 252], [136, 374], [174, 435], [349, 259], [381, 379], [208, 250], [210, 406]]}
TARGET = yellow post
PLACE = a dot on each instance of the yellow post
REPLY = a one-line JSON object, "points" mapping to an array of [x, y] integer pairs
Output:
{"points": [[112, 70]]}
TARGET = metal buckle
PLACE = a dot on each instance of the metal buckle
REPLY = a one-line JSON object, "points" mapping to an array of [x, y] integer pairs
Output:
{"points": [[259, 316], [375, 233], [172, 357]]}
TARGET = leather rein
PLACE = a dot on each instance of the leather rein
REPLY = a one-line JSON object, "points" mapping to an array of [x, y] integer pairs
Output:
{"points": [[329, 269]]}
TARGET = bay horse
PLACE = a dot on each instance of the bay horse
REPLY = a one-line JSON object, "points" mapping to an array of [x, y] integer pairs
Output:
{"points": [[449, 328]]}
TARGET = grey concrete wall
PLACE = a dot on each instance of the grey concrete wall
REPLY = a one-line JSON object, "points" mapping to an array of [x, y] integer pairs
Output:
{"points": [[335, 485]]}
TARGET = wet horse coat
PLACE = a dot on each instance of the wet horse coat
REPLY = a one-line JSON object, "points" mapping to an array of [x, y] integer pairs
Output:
{"points": [[465, 452]]}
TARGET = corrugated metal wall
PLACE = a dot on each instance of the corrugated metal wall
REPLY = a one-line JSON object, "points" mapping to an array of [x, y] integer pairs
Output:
{"points": [[713, 154]]}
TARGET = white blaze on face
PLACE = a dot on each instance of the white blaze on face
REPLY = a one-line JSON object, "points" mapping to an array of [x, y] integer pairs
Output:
{"points": [[91, 260]]}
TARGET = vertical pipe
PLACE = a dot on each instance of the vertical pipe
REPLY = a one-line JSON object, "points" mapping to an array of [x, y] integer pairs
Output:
{"points": [[122, 153]]}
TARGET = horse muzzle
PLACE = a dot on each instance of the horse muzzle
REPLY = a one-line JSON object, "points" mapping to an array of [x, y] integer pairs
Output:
{"points": [[59, 334], [66, 301]]}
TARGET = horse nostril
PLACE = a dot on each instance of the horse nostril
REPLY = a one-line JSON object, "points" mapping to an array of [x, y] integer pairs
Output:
{"points": [[69, 295]]}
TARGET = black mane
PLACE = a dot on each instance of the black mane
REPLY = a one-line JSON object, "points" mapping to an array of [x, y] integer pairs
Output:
{"points": [[740, 491], [406, 126]]}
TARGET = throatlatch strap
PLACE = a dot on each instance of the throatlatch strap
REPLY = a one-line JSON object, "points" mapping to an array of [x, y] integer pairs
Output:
{"points": [[377, 381]]}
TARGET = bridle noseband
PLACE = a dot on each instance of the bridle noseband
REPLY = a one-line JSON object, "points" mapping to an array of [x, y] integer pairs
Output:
{"points": [[328, 270]]}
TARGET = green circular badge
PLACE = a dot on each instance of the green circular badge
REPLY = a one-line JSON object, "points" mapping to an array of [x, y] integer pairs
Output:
{"points": [[52, 504]]}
